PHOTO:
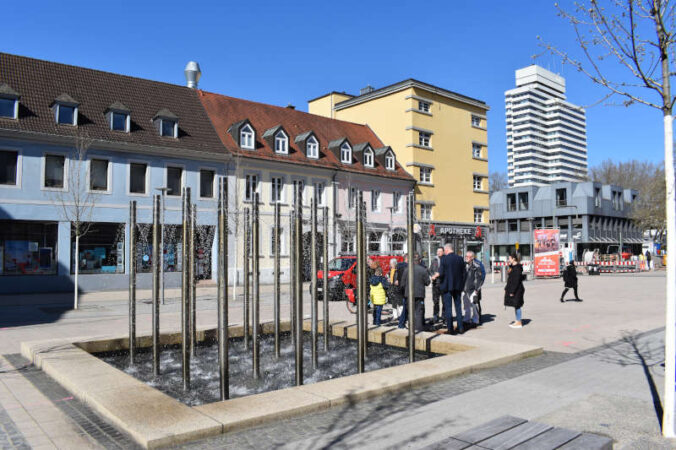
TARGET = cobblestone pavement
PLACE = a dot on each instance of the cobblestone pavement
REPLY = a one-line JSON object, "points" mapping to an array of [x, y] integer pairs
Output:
{"points": [[37, 412]]}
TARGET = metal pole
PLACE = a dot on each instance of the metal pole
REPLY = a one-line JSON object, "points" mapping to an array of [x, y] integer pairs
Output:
{"points": [[156, 286], [325, 277], [314, 268], [277, 293], [193, 290], [361, 260], [162, 249], [245, 302], [255, 256], [185, 291], [363, 289], [292, 270], [411, 291], [298, 251], [132, 282], [223, 368]]}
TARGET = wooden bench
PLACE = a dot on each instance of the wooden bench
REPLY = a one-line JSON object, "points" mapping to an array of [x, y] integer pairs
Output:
{"points": [[509, 432]]}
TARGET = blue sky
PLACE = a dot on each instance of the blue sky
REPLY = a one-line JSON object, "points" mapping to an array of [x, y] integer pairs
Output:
{"points": [[288, 52]]}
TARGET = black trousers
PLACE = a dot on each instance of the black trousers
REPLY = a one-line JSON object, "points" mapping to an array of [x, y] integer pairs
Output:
{"points": [[436, 299], [565, 290]]}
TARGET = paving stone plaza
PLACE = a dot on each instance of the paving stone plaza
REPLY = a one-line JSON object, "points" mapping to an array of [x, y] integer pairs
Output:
{"points": [[601, 372]]}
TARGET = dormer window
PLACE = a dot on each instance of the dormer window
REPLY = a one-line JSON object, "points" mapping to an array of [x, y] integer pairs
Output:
{"points": [[389, 161], [312, 148], [246, 137], [9, 102], [368, 157], [346, 153], [166, 123], [65, 110], [281, 143], [118, 117]]}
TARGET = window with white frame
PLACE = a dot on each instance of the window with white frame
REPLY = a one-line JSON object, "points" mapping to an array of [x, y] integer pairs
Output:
{"points": [[368, 157], [389, 161], [312, 148], [207, 183], [119, 121], [346, 153], [299, 185], [276, 189], [374, 241], [168, 128], [246, 137], [282, 242], [137, 178], [375, 200], [98, 174], [9, 107], [424, 138], [396, 202], [352, 198], [425, 212], [281, 143], [319, 192], [423, 106], [174, 180], [478, 215], [426, 175], [476, 151], [477, 183], [476, 121], [251, 187], [347, 242], [66, 114], [9, 163], [54, 171]]}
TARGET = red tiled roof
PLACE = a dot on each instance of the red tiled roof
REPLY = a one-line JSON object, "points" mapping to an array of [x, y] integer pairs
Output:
{"points": [[225, 111], [39, 83]]}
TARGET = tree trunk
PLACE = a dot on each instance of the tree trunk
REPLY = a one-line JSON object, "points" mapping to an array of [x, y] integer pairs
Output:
{"points": [[670, 331], [77, 269]]}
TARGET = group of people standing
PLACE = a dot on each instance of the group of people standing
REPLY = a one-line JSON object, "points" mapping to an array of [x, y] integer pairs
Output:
{"points": [[455, 281]]}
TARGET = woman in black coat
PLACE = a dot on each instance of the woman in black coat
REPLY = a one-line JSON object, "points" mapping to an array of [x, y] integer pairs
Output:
{"points": [[570, 281], [514, 289]]}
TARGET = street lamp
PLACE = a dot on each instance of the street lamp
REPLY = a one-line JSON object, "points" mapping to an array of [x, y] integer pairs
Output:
{"points": [[163, 192]]}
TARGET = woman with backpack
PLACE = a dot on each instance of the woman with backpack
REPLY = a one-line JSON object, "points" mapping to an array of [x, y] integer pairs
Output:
{"points": [[514, 289], [570, 281]]}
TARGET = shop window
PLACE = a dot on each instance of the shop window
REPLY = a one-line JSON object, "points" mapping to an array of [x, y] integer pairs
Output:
{"points": [[101, 249], [8, 167], [54, 171], [28, 248]]}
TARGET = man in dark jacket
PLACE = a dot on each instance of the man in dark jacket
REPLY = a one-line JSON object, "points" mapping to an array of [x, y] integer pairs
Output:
{"points": [[451, 282], [470, 297], [570, 281], [420, 279], [436, 292]]}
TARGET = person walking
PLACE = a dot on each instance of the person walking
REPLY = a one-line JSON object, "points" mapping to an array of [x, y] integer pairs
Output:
{"points": [[470, 295], [394, 292], [514, 289], [421, 279], [378, 294], [570, 281], [649, 259], [451, 276], [436, 292]]}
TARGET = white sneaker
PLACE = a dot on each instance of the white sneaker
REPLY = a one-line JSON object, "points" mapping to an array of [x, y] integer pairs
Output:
{"points": [[515, 325]]}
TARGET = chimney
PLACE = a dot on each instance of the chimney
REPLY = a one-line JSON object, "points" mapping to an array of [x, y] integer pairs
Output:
{"points": [[366, 90], [192, 74]]}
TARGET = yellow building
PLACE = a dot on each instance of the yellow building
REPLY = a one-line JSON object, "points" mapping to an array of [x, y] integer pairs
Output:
{"points": [[440, 137]]}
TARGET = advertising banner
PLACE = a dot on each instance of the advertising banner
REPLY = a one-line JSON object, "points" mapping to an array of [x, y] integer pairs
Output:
{"points": [[546, 254]]}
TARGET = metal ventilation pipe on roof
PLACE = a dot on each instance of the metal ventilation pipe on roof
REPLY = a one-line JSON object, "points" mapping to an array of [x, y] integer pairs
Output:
{"points": [[192, 74]]}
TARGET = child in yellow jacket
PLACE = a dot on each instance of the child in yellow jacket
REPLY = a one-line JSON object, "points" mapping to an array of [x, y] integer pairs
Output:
{"points": [[379, 285]]}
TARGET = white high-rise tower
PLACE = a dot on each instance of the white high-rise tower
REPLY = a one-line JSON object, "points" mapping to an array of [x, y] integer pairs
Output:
{"points": [[546, 135]]}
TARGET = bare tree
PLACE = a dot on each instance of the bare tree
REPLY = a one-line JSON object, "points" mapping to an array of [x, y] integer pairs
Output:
{"points": [[77, 201], [497, 181], [638, 37]]}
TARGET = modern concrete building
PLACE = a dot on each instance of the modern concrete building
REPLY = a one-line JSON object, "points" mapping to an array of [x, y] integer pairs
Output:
{"points": [[590, 216], [546, 135], [440, 137]]}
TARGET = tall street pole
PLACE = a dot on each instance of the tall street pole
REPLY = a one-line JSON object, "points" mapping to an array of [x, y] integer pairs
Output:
{"points": [[223, 331], [411, 278]]}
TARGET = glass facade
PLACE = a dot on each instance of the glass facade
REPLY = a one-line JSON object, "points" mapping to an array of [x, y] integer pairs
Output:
{"points": [[28, 248], [101, 249]]}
